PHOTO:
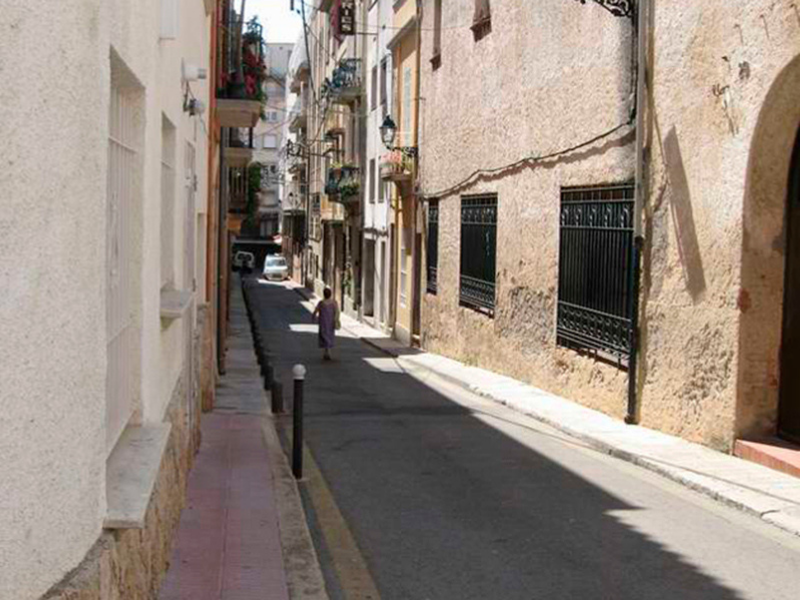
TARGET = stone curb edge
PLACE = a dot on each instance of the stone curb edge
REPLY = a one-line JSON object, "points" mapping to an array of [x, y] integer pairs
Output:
{"points": [[301, 564], [779, 519]]}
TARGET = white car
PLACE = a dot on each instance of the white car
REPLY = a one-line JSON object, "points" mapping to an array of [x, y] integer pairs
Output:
{"points": [[244, 260], [275, 268]]}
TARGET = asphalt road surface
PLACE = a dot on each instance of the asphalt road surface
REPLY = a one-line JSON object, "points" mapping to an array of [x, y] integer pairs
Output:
{"points": [[416, 489]]}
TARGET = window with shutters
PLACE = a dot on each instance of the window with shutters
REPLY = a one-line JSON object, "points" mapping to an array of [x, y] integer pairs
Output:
{"points": [[374, 90], [384, 90], [372, 181], [167, 202]]}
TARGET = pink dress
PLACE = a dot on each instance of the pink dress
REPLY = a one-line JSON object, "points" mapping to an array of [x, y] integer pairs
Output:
{"points": [[327, 323]]}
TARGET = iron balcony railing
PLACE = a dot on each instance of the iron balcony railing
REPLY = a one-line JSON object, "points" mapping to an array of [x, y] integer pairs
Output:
{"points": [[241, 59], [595, 270], [345, 84], [343, 183]]}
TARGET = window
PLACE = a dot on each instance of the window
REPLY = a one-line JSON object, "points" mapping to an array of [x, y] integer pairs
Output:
{"points": [[436, 59], [405, 249], [381, 190], [481, 20], [374, 90], [433, 246], [406, 126], [372, 181], [384, 69], [595, 270], [270, 141], [123, 206], [478, 248], [167, 201]]}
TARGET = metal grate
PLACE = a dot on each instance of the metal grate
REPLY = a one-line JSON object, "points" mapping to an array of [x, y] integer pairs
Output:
{"points": [[121, 337], [433, 246], [478, 252], [595, 270]]}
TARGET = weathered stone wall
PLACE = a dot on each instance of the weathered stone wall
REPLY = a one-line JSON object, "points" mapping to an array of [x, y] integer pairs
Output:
{"points": [[721, 139], [721, 132], [548, 76], [130, 564]]}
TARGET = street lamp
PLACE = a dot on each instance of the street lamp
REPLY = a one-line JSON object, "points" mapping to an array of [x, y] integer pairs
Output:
{"points": [[388, 133]]}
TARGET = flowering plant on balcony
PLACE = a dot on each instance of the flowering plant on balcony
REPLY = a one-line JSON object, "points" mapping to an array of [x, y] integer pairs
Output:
{"points": [[349, 187], [395, 163], [253, 68]]}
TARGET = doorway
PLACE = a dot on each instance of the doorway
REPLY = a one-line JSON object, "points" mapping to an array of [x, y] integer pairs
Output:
{"points": [[789, 397], [369, 278]]}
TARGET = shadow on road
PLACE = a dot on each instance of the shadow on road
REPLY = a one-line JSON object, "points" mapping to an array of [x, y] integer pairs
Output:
{"points": [[443, 505]]}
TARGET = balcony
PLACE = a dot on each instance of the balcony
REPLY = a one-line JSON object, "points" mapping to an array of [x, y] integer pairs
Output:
{"points": [[396, 166], [237, 190], [299, 116], [346, 83], [240, 93], [239, 151], [343, 184]]}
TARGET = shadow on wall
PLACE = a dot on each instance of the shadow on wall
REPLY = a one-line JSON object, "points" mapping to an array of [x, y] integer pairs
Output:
{"points": [[683, 218]]}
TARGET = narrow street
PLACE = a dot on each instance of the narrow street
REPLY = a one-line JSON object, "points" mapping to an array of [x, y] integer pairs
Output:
{"points": [[416, 489]]}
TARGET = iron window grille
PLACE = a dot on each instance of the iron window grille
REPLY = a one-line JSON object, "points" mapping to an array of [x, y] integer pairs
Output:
{"points": [[433, 247], [595, 271], [478, 252]]}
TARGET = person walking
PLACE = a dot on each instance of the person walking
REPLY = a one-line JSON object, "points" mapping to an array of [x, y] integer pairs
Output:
{"points": [[327, 311]]}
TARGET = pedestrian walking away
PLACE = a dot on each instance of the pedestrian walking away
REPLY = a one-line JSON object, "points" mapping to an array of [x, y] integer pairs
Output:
{"points": [[327, 312]]}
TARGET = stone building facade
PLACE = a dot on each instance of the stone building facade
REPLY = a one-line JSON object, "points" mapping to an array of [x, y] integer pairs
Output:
{"points": [[720, 128]]}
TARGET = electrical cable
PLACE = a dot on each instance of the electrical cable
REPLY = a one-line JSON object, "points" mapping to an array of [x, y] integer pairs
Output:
{"points": [[534, 159]]}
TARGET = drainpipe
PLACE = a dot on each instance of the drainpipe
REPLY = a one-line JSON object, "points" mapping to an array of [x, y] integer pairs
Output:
{"points": [[643, 38], [416, 279]]}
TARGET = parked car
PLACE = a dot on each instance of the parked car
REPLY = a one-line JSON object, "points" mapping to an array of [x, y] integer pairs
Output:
{"points": [[275, 268], [244, 261]]}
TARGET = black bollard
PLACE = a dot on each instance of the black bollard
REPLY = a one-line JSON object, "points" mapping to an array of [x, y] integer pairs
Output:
{"points": [[299, 373]]}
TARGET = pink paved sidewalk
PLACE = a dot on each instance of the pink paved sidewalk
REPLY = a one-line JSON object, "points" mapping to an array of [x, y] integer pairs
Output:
{"points": [[228, 541]]}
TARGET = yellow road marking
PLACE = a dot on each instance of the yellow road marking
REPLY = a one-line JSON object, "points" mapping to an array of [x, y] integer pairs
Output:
{"points": [[351, 568]]}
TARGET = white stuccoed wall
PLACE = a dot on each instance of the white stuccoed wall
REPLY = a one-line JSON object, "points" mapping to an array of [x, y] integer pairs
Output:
{"points": [[55, 63], [52, 281]]}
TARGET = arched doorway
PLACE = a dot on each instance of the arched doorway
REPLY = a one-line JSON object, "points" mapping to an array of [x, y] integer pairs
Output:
{"points": [[789, 392], [768, 377]]}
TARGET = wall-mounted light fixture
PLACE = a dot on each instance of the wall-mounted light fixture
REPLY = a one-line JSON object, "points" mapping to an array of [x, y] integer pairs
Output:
{"points": [[191, 72], [389, 132], [618, 8]]}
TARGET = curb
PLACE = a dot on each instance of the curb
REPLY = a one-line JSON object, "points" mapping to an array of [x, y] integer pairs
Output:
{"points": [[787, 520], [301, 564]]}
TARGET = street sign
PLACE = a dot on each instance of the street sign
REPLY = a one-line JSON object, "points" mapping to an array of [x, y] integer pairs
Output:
{"points": [[347, 17]]}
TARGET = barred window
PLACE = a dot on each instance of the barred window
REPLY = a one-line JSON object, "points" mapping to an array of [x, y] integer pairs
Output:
{"points": [[595, 270], [433, 246], [478, 252]]}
